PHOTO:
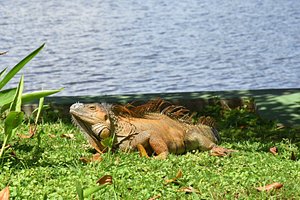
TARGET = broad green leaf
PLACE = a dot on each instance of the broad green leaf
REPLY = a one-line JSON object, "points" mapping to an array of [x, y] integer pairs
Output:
{"points": [[18, 67], [12, 121], [38, 94], [17, 102], [7, 96], [2, 72], [79, 190], [31, 96]]}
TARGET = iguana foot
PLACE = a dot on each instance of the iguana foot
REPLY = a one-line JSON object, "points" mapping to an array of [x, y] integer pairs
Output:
{"points": [[162, 156], [142, 150], [220, 151]]}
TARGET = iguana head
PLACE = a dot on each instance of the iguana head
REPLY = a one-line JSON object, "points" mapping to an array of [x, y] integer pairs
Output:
{"points": [[94, 121]]}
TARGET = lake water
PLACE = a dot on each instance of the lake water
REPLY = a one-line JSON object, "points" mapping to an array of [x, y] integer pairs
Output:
{"points": [[118, 47]]}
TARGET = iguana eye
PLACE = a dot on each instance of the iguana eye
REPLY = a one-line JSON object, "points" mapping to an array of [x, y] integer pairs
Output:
{"points": [[92, 107]]}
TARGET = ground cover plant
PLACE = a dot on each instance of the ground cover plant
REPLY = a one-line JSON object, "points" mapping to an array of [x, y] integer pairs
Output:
{"points": [[62, 168]]}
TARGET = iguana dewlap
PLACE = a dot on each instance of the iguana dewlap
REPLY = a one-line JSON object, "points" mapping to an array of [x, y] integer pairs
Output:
{"points": [[153, 125]]}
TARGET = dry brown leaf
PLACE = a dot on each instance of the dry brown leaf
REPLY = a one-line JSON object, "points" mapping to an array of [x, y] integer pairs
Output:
{"points": [[142, 151], [68, 136], [85, 159], [155, 197], [274, 150], [269, 187], [52, 135], [174, 180], [221, 151], [32, 131], [106, 179], [4, 194], [95, 157], [189, 189]]}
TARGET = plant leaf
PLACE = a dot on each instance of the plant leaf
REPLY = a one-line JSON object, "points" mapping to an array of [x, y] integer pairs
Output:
{"points": [[30, 97], [174, 180], [32, 131], [4, 194], [189, 189], [17, 102], [41, 103], [269, 187], [38, 94], [79, 190], [7, 96], [106, 179], [68, 136], [13, 120], [2, 72], [18, 67], [274, 150], [91, 190]]}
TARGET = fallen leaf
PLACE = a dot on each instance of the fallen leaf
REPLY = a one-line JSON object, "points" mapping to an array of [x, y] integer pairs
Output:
{"points": [[85, 159], [106, 179], [174, 180], [4, 194], [155, 197], [274, 150], [142, 151], [52, 135], [95, 157], [279, 126], [188, 190], [32, 131], [269, 187], [67, 136], [220, 151]]}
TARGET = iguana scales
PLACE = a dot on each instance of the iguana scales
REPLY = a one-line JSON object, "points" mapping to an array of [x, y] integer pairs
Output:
{"points": [[158, 126]]}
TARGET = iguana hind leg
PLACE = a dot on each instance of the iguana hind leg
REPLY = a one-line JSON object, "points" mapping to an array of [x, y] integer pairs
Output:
{"points": [[157, 144], [159, 147]]}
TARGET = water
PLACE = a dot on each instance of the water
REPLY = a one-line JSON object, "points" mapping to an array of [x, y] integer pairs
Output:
{"points": [[119, 47]]}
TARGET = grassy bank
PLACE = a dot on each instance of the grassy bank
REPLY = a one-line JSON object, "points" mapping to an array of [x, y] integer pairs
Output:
{"points": [[51, 170]]}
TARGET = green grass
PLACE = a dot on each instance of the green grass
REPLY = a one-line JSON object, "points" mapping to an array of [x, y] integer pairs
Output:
{"points": [[52, 170]]}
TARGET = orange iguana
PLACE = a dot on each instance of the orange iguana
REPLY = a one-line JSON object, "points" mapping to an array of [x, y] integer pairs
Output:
{"points": [[158, 126]]}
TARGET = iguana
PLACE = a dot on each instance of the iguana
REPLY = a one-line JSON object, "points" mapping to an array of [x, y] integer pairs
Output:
{"points": [[158, 126]]}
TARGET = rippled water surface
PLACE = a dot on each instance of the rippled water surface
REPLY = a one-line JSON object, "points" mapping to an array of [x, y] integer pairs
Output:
{"points": [[116, 47]]}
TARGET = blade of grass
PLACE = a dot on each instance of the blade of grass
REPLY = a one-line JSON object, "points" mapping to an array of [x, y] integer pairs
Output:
{"points": [[19, 66], [79, 190], [41, 104]]}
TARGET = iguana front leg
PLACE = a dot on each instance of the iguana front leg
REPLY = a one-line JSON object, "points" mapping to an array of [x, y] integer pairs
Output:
{"points": [[156, 143]]}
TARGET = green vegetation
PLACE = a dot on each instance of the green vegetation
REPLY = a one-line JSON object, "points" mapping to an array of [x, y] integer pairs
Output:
{"points": [[11, 99], [56, 171]]}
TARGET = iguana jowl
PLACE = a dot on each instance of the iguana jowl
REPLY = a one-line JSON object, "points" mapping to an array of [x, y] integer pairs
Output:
{"points": [[158, 126]]}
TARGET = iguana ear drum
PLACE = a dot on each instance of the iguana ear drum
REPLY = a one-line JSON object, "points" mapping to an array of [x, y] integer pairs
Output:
{"points": [[105, 133], [101, 130]]}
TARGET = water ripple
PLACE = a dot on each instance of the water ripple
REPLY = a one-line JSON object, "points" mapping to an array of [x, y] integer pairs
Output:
{"points": [[107, 47]]}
